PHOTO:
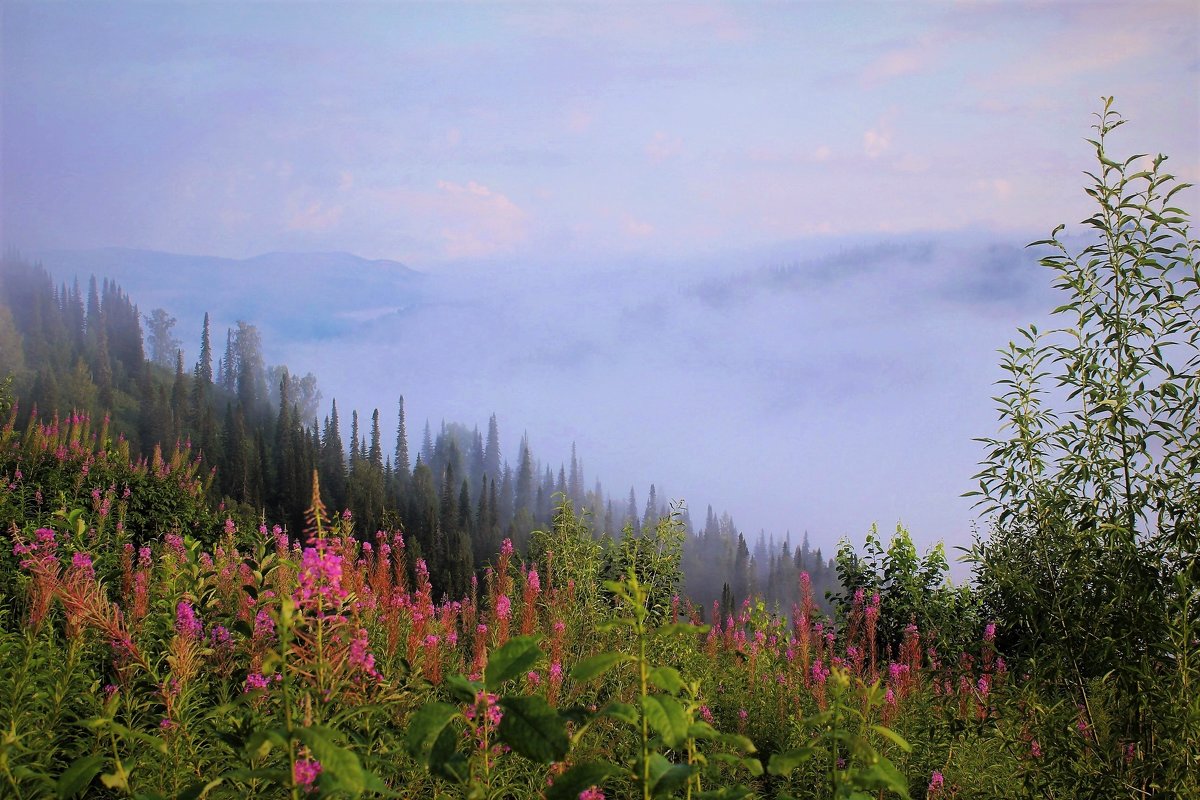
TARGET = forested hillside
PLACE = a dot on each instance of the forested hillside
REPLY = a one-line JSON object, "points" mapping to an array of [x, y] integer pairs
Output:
{"points": [[453, 491]]}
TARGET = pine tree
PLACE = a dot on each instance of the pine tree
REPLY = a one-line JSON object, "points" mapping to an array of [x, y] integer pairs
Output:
{"points": [[376, 454], [524, 490], [204, 367], [401, 460], [427, 445], [179, 395], [575, 480], [491, 452]]}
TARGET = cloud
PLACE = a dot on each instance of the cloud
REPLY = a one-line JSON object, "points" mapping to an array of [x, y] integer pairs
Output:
{"points": [[822, 153], [315, 217], [999, 188], [877, 141], [578, 120], [637, 228], [663, 146], [478, 222]]}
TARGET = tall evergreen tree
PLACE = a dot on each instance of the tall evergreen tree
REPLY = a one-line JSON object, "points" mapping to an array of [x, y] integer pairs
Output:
{"points": [[491, 451], [524, 500], [376, 454], [401, 462]]}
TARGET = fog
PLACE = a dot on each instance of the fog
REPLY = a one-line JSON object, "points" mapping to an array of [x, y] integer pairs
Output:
{"points": [[817, 386]]}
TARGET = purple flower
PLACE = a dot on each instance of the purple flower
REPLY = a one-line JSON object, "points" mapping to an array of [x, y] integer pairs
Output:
{"points": [[83, 563], [503, 607], [305, 772], [592, 793], [936, 781], [187, 624]]}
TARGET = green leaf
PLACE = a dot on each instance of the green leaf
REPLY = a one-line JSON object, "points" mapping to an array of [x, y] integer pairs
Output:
{"points": [[884, 775], [200, 789], [623, 712], [532, 728], [896, 738], [666, 777], [79, 775], [116, 780], [514, 658], [668, 679], [666, 717], [581, 777], [340, 767], [728, 793], [683, 629], [464, 691], [426, 726], [597, 665], [446, 761], [783, 763], [260, 742]]}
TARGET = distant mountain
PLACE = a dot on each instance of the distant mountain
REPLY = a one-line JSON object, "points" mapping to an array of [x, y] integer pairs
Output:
{"points": [[298, 296]]}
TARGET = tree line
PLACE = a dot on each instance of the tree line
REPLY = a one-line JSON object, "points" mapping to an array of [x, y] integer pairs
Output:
{"points": [[456, 497]]}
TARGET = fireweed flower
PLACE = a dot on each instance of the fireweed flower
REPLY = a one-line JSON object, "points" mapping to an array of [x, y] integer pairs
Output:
{"points": [[82, 564], [361, 657], [503, 607], [187, 624], [305, 772], [264, 626], [592, 793], [320, 579], [936, 781]]}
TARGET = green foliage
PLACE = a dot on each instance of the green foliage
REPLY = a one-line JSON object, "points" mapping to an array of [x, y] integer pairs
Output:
{"points": [[913, 590], [652, 556], [842, 737], [1093, 488]]}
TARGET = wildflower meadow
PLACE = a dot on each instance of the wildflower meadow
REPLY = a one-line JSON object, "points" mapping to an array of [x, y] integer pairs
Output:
{"points": [[157, 642]]}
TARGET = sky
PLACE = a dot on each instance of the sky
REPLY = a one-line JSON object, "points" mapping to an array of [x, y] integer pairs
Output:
{"points": [[601, 198]]}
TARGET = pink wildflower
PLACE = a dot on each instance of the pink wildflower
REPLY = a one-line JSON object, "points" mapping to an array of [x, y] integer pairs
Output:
{"points": [[82, 562], [305, 772], [592, 793], [503, 606], [187, 624]]}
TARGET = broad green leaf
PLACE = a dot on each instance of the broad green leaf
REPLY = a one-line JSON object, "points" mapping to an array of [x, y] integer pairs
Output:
{"points": [[514, 658], [622, 711], [666, 777], [896, 738], [666, 717], [597, 665], [445, 760], [426, 726], [532, 728], [783, 763], [884, 775], [581, 777], [684, 628], [340, 767], [668, 679], [116, 780], [79, 775], [260, 742], [464, 691]]}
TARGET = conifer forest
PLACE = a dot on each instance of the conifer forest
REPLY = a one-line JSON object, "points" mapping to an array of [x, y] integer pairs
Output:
{"points": [[206, 591], [670, 400]]}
